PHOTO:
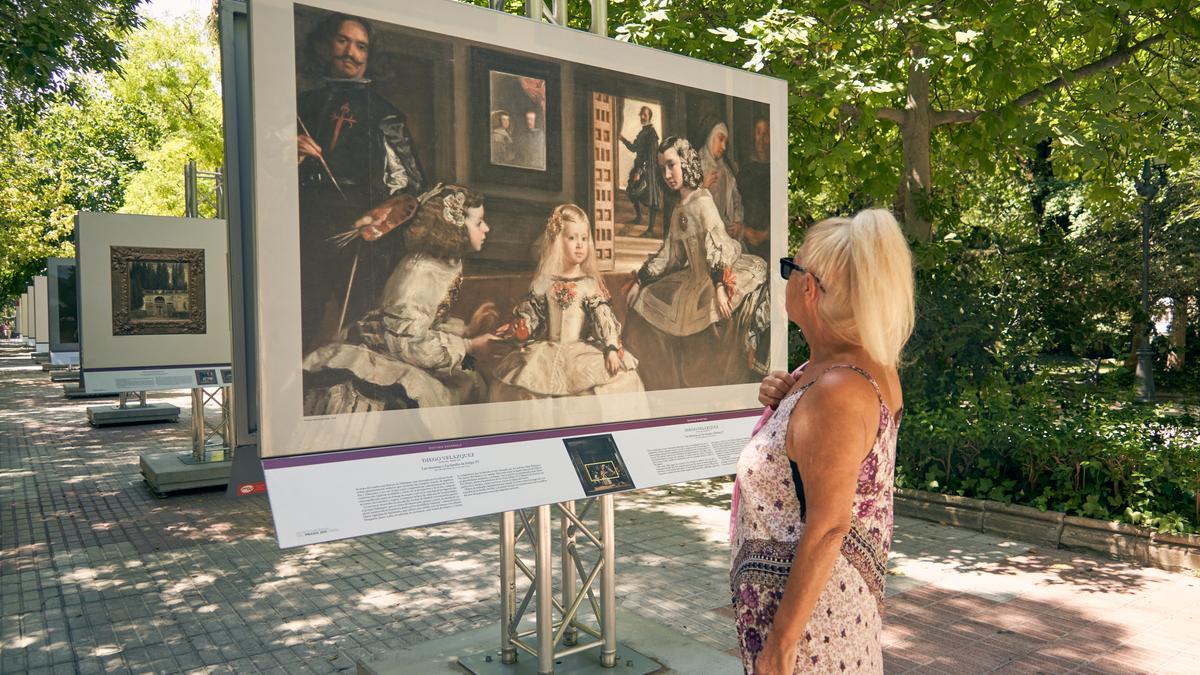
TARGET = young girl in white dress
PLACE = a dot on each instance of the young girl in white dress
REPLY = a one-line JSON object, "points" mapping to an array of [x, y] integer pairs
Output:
{"points": [[570, 336]]}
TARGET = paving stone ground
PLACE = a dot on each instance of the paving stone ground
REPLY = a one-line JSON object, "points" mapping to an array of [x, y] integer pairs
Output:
{"points": [[97, 575]]}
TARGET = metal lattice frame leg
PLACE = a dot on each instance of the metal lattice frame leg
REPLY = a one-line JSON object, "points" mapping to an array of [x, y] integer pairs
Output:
{"points": [[208, 433], [579, 585]]}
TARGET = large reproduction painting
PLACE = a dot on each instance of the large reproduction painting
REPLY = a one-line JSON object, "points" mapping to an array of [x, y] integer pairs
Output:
{"points": [[477, 231]]}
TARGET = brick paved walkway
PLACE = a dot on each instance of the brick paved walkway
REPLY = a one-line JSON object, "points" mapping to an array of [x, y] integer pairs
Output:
{"points": [[96, 575]]}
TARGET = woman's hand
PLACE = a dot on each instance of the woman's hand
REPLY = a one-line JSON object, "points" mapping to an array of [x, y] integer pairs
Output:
{"points": [[482, 345], [612, 362], [723, 304], [775, 659], [483, 319], [710, 180], [774, 387]]}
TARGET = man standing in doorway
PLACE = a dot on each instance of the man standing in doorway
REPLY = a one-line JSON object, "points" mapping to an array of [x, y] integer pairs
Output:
{"points": [[754, 183], [356, 157]]}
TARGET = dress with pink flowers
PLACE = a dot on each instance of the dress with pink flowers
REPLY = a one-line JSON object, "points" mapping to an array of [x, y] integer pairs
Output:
{"points": [[843, 634]]}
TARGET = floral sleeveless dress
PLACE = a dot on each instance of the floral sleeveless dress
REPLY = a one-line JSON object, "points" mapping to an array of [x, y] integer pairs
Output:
{"points": [[843, 634]]}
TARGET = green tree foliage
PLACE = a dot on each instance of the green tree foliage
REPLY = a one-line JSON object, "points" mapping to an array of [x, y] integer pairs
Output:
{"points": [[884, 92], [121, 144], [46, 43]]}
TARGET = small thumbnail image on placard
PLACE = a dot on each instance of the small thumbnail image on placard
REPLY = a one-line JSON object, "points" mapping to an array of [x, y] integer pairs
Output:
{"points": [[599, 465], [206, 378], [226, 376]]}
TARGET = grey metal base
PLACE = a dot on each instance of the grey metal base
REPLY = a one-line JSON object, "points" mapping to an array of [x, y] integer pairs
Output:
{"points": [[108, 415], [73, 390], [651, 646], [629, 662], [172, 471], [65, 376], [48, 367]]}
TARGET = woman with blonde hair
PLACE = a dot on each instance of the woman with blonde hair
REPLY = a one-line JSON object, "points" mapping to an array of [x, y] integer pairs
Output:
{"points": [[811, 523]]}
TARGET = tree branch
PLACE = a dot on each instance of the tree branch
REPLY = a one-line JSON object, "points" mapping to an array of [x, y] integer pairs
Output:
{"points": [[941, 117], [1111, 61], [890, 114]]}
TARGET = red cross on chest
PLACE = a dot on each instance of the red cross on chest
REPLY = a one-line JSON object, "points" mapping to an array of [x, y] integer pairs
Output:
{"points": [[342, 116]]}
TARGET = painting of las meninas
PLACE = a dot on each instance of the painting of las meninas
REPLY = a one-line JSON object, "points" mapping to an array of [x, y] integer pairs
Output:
{"points": [[481, 225]]}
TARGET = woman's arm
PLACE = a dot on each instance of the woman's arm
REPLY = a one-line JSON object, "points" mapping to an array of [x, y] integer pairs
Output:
{"points": [[829, 434]]}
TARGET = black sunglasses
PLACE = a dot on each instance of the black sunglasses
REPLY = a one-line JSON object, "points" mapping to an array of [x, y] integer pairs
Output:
{"points": [[786, 265]]}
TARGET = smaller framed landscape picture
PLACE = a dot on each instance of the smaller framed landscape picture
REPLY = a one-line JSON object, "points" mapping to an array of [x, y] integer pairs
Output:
{"points": [[158, 291]]}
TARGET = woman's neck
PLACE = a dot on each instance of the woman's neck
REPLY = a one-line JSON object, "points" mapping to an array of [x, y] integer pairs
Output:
{"points": [[685, 192], [571, 270]]}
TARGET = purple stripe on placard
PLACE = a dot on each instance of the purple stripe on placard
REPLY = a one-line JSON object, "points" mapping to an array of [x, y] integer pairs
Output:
{"points": [[138, 369], [478, 441]]}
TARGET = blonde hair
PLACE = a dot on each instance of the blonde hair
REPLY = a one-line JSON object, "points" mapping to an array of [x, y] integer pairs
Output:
{"points": [[866, 268], [550, 250]]}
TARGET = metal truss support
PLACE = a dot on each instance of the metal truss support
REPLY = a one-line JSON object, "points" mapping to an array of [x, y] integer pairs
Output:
{"points": [[555, 12], [123, 399], [559, 628], [211, 435], [192, 197]]}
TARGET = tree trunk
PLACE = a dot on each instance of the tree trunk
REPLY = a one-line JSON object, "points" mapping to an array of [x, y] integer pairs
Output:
{"points": [[916, 131], [1177, 336]]}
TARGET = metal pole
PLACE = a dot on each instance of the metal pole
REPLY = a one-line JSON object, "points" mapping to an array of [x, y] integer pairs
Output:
{"points": [[608, 583], [1147, 189], [545, 591], [198, 424], [567, 552], [508, 586], [190, 205]]}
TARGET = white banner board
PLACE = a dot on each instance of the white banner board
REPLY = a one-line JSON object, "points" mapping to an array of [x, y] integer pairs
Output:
{"points": [[154, 302], [481, 234]]}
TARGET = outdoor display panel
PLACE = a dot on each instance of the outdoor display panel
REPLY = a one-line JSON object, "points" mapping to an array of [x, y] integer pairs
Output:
{"points": [[64, 310], [41, 315], [153, 301], [421, 177], [31, 319], [23, 324]]}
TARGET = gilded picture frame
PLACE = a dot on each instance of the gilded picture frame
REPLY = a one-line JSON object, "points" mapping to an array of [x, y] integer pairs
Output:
{"points": [[176, 309]]}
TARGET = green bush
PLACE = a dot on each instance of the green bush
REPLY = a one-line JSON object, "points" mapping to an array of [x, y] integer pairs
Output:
{"points": [[1086, 457]]}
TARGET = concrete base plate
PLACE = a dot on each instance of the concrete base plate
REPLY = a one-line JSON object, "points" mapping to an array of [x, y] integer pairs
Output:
{"points": [[65, 376], [108, 415], [171, 471], [73, 390], [649, 645]]}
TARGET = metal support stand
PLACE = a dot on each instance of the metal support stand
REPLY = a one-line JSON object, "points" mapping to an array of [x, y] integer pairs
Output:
{"points": [[559, 629], [123, 399], [209, 461], [210, 436]]}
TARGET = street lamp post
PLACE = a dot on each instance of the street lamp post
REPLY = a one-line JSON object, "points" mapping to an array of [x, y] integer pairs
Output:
{"points": [[1153, 177]]}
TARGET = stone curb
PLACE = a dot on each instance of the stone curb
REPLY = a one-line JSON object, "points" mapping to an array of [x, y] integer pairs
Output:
{"points": [[1174, 553]]}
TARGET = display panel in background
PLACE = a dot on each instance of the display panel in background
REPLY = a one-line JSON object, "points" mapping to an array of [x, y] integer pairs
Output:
{"points": [[490, 145], [153, 310], [41, 314], [64, 310]]}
